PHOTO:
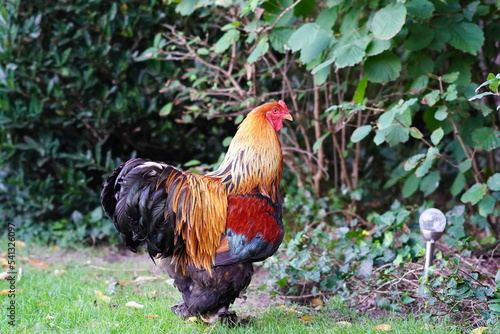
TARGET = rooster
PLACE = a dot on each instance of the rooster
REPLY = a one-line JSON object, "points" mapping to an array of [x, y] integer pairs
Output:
{"points": [[206, 229]]}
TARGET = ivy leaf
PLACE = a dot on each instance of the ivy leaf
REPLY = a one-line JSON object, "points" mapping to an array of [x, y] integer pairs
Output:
{"points": [[494, 182], [441, 113], [437, 135], [474, 194], [486, 138], [383, 67], [360, 133], [467, 37], [431, 98], [388, 21], [487, 205]]}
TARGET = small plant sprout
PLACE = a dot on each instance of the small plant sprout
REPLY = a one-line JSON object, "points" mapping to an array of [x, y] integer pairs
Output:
{"points": [[432, 224]]}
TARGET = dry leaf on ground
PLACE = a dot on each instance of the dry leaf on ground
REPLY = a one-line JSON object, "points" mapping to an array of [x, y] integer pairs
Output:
{"points": [[134, 305], [383, 328], [35, 263], [100, 296]]}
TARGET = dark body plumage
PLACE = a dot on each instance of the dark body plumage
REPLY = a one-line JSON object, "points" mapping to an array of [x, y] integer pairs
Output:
{"points": [[207, 229]]}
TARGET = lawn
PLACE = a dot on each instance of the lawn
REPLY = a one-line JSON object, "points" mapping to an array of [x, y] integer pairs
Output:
{"points": [[86, 291]]}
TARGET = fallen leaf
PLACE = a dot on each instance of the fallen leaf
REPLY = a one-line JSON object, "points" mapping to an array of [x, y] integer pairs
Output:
{"points": [[140, 280], [35, 263], [100, 296], [134, 305], [317, 302], [306, 318], [288, 310], [58, 272], [479, 330], [343, 323], [49, 317], [192, 319], [4, 262], [20, 244], [5, 275], [6, 292], [383, 328], [143, 279], [94, 324], [151, 316]]}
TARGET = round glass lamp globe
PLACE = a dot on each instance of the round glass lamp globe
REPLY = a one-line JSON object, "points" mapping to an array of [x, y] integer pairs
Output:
{"points": [[432, 220]]}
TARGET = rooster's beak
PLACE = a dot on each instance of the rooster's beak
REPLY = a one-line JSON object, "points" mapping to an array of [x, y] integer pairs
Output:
{"points": [[288, 117]]}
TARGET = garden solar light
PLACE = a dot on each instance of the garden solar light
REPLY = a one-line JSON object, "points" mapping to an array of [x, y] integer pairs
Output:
{"points": [[432, 223]]}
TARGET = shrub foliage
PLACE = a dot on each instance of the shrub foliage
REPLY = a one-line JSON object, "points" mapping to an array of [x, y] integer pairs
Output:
{"points": [[396, 109]]}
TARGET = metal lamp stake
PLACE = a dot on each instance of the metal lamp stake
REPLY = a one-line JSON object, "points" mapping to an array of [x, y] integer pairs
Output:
{"points": [[432, 224]]}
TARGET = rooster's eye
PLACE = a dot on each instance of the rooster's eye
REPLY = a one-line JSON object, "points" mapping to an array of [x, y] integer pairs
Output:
{"points": [[275, 111]]}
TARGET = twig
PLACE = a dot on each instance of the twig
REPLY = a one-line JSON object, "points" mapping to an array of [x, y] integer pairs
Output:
{"points": [[124, 270]]}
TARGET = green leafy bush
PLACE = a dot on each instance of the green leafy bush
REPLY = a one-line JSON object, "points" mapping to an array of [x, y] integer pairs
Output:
{"points": [[74, 105]]}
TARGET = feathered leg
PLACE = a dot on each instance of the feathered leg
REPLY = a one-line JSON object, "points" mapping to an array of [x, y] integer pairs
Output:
{"points": [[209, 296]]}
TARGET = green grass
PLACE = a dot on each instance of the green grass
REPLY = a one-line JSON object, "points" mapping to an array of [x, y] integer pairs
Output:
{"points": [[65, 302]]}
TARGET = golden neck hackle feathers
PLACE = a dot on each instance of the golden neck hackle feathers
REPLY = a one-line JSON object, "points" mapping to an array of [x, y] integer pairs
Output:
{"points": [[254, 159]]}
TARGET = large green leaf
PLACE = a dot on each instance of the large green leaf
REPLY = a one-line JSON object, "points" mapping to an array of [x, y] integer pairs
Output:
{"points": [[260, 50], [494, 182], [432, 154], [486, 138], [486, 205], [360, 133], [388, 21], [383, 67], [279, 38], [414, 161], [410, 185], [304, 8], [437, 135], [350, 49], [458, 184], [420, 37], [377, 46], [430, 183], [274, 8], [420, 8], [467, 37], [311, 40], [228, 39], [474, 194]]}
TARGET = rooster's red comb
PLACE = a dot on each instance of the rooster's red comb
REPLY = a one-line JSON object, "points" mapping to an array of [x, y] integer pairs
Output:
{"points": [[283, 104]]}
